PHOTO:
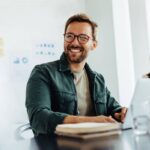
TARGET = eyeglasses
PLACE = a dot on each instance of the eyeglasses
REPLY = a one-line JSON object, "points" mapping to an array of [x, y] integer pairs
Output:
{"points": [[82, 38]]}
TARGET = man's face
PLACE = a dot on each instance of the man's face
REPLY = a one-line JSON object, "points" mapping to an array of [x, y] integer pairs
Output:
{"points": [[78, 48]]}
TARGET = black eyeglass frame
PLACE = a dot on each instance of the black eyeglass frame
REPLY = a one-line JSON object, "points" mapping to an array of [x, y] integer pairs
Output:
{"points": [[78, 37]]}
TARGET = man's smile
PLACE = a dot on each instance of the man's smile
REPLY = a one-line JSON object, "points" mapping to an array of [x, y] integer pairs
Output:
{"points": [[75, 50]]}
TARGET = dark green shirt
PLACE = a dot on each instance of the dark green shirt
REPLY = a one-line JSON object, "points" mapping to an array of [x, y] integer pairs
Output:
{"points": [[51, 95]]}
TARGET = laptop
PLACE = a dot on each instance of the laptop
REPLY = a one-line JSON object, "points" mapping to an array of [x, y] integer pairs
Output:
{"points": [[141, 93]]}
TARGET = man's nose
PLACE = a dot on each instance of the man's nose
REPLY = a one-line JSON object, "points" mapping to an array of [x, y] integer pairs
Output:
{"points": [[75, 41]]}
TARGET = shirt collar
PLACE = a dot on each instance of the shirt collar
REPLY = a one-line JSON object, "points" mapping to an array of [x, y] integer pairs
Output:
{"points": [[64, 65]]}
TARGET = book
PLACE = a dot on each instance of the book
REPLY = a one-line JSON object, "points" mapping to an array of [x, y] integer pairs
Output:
{"points": [[88, 130]]}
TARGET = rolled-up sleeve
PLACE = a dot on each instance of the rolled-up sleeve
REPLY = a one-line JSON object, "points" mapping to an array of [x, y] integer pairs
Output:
{"points": [[38, 103]]}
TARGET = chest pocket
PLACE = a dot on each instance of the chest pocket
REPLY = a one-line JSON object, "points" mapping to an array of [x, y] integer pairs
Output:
{"points": [[65, 102], [101, 104]]}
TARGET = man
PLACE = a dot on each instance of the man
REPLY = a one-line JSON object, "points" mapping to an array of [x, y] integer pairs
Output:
{"points": [[67, 90]]}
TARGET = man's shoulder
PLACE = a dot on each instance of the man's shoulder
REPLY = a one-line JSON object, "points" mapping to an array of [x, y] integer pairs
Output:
{"points": [[99, 75], [48, 65], [100, 78], [92, 72], [45, 69]]}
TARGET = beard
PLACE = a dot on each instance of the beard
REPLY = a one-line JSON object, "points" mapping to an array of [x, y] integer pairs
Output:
{"points": [[75, 54]]}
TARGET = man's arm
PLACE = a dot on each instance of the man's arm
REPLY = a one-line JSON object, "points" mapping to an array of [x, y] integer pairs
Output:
{"points": [[115, 109], [79, 119], [38, 103]]}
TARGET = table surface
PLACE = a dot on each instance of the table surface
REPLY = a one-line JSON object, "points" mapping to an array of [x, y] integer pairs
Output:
{"points": [[11, 138]]}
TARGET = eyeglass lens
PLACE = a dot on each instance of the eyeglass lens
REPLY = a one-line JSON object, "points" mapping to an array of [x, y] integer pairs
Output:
{"points": [[82, 38]]}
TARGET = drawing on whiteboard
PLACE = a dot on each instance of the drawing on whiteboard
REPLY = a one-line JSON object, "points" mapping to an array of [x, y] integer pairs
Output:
{"points": [[23, 60], [45, 48]]}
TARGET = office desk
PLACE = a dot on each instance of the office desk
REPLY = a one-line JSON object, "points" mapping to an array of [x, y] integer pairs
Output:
{"points": [[10, 139]]}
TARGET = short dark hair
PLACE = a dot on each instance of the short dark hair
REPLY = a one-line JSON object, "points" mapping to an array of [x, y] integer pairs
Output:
{"points": [[82, 18]]}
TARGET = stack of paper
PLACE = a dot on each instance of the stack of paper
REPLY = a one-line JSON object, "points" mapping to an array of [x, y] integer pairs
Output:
{"points": [[88, 130]]}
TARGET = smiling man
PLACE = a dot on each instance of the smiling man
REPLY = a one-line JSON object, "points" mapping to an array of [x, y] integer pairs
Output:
{"points": [[67, 90], [78, 42]]}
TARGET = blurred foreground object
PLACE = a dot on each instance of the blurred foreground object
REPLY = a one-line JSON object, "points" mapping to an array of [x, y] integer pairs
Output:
{"points": [[146, 75]]}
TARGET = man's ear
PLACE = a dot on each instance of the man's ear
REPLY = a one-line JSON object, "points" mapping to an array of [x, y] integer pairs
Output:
{"points": [[94, 45]]}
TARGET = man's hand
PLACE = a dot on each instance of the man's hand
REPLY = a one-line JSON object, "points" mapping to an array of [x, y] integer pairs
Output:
{"points": [[79, 119], [104, 119], [121, 115]]}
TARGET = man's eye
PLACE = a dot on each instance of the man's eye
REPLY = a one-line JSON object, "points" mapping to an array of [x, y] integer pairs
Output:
{"points": [[69, 36], [83, 38]]}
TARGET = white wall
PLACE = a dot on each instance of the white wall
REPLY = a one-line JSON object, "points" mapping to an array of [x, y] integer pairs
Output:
{"points": [[124, 51], [139, 30], [147, 6]]}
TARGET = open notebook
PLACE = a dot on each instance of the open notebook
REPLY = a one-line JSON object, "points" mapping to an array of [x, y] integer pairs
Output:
{"points": [[88, 130]]}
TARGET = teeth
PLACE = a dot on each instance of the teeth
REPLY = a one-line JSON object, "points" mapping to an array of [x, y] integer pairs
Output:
{"points": [[75, 50]]}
